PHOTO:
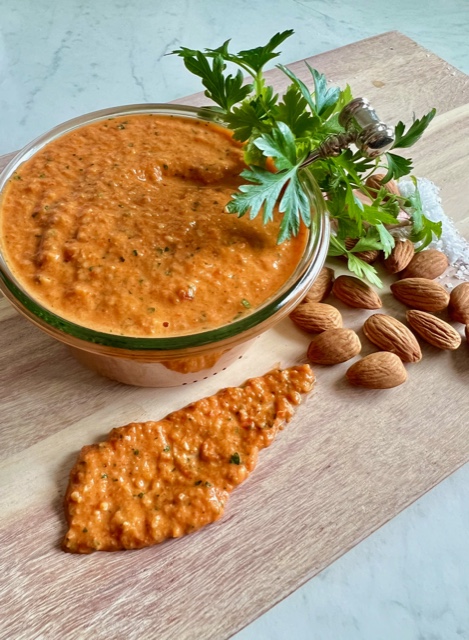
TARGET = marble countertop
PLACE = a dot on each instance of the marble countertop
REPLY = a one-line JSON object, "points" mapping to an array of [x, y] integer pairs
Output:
{"points": [[409, 580]]}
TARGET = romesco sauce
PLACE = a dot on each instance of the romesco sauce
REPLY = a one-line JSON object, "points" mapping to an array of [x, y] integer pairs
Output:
{"points": [[120, 226], [156, 480]]}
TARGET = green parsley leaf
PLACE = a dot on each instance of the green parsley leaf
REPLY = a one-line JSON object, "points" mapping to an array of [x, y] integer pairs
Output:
{"points": [[387, 240], [378, 215], [292, 110], [330, 126], [253, 156], [414, 132], [246, 118], [256, 58], [264, 193], [235, 459], [355, 265], [279, 145], [345, 96], [423, 229], [354, 206], [347, 162], [261, 194], [324, 97], [224, 90], [369, 242], [295, 207], [363, 270], [267, 186], [397, 167], [336, 247], [300, 85]]}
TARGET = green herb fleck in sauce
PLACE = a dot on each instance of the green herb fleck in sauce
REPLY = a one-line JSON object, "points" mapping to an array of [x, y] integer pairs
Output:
{"points": [[235, 459]]}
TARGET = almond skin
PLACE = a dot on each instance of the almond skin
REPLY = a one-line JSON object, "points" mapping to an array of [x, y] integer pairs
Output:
{"points": [[426, 264], [421, 293], [459, 303], [321, 287], [434, 330], [334, 346], [315, 317], [389, 334], [400, 256], [381, 370], [356, 293]]}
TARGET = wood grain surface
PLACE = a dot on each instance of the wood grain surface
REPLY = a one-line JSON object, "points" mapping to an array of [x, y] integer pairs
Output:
{"points": [[349, 461]]}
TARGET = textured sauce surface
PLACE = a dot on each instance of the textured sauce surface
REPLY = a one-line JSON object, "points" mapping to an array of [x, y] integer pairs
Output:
{"points": [[156, 480], [120, 226]]}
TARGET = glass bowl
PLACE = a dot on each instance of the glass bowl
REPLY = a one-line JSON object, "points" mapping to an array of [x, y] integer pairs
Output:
{"points": [[175, 360]]}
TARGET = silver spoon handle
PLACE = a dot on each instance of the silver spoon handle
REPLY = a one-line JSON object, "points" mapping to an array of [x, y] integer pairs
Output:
{"points": [[362, 128]]}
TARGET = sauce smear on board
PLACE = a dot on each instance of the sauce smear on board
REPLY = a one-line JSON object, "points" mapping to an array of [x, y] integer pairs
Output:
{"points": [[156, 480], [120, 226]]}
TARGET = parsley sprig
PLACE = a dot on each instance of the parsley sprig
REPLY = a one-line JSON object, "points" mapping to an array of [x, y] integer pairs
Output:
{"points": [[285, 129]]}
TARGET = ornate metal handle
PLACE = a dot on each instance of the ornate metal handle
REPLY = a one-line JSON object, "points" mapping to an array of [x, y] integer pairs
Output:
{"points": [[362, 128]]}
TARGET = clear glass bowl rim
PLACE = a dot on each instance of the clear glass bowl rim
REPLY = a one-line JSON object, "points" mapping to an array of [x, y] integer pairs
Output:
{"points": [[305, 271]]}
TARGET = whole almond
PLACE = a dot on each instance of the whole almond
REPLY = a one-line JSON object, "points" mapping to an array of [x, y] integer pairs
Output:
{"points": [[426, 264], [334, 346], [356, 293], [401, 254], [315, 317], [389, 334], [369, 256], [434, 330], [321, 287], [374, 184], [381, 370], [421, 293], [459, 303]]}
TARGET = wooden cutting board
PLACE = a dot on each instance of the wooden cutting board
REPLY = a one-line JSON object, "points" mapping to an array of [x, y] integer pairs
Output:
{"points": [[349, 461]]}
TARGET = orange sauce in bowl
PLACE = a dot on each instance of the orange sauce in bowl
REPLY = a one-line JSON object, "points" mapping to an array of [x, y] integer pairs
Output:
{"points": [[120, 226]]}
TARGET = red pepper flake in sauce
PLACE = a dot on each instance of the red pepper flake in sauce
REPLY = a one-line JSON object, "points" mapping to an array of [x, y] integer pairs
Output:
{"points": [[174, 476]]}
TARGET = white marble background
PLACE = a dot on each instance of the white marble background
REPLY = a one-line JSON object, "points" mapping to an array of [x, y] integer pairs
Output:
{"points": [[62, 58]]}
